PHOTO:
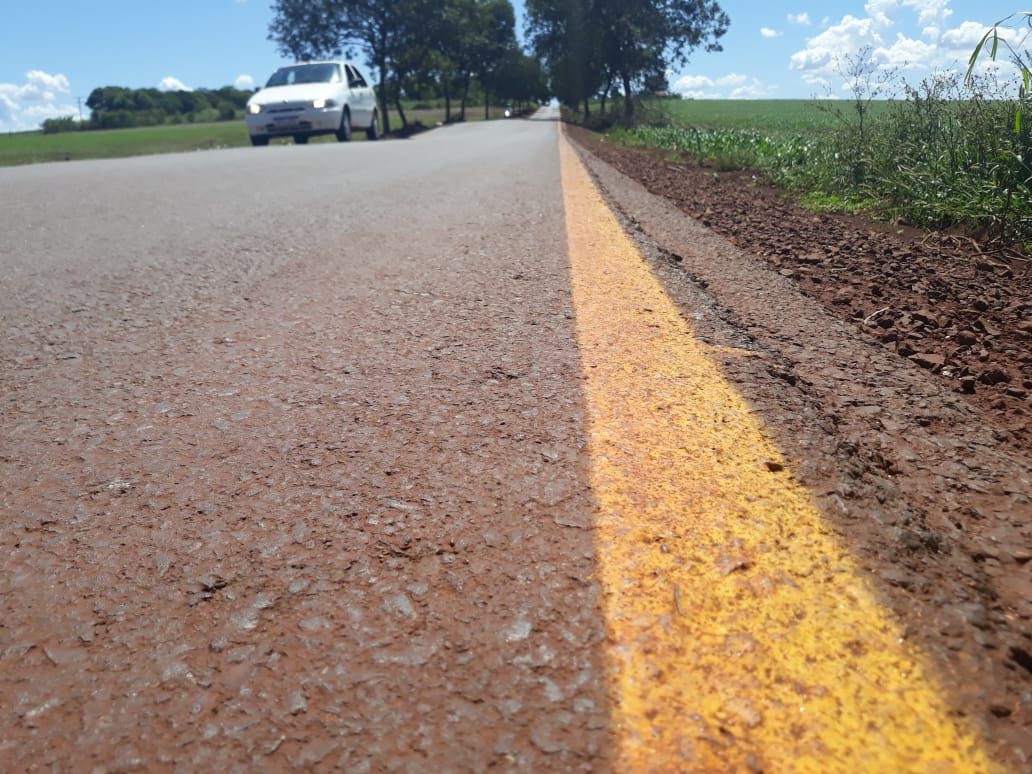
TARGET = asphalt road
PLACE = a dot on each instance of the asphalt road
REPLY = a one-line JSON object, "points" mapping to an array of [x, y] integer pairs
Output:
{"points": [[292, 462], [182, 229], [396, 457]]}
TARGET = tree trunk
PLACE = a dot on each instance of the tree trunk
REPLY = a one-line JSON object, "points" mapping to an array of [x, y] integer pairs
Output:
{"points": [[401, 110], [606, 91], [385, 113], [628, 105], [465, 96]]}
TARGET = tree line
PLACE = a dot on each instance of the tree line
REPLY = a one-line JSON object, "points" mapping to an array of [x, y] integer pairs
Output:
{"points": [[449, 50], [118, 107], [582, 49], [597, 48], [455, 51]]}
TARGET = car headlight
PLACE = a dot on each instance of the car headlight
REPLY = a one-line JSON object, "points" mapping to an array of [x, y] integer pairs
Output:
{"points": [[254, 109], [319, 104]]}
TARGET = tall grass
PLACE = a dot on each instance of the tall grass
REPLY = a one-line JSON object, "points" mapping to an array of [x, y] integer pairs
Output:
{"points": [[947, 155], [953, 157]]}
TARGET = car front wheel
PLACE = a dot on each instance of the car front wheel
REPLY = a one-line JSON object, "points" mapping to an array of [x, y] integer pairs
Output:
{"points": [[259, 140], [301, 139], [373, 132], [344, 133]]}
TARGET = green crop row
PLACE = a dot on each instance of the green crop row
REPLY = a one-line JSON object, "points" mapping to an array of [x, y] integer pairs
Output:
{"points": [[936, 159], [730, 148]]}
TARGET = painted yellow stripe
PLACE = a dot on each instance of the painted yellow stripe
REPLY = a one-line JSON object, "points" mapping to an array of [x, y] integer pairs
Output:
{"points": [[742, 635]]}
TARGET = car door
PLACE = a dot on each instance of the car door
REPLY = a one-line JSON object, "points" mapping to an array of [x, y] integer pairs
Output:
{"points": [[363, 101]]}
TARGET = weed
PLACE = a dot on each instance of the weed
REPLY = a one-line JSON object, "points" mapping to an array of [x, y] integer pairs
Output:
{"points": [[945, 155]]}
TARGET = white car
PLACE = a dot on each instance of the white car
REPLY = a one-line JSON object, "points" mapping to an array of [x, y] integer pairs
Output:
{"points": [[312, 98]]}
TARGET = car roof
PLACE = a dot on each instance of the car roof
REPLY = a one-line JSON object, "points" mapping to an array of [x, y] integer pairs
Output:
{"points": [[320, 61]]}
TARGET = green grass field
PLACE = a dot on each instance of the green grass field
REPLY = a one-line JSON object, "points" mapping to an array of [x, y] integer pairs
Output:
{"points": [[36, 147], [933, 160], [771, 115]]}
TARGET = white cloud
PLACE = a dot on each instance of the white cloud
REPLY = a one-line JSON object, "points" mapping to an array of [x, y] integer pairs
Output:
{"points": [[43, 95], [688, 83], [731, 86], [36, 113], [732, 79], [933, 15], [912, 38], [882, 12], [959, 42], [906, 53], [767, 32], [173, 84], [823, 53], [244, 82], [754, 89], [7, 109], [824, 57], [43, 87], [802, 19]]}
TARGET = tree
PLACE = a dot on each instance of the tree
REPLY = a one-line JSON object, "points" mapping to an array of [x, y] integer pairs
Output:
{"points": [[117, 107], [391, 33], [567, 39], [645, 37], [655, 83], [62, 124], [306, 29], [553, 27], [312, 29], [452, 62], [461, 42], [107, 98], [588, 43], [520, 79], [494, 40], [407, 42]]}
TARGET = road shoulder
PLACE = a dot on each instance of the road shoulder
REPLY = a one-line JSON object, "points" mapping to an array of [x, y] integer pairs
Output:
{"points": [[932, 500]]}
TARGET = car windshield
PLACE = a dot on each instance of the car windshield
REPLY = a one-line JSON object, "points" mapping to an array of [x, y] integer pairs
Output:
{"points": [[307, 73]]}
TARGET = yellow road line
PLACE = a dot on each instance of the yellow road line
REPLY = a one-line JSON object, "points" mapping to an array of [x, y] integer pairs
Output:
{"points": [[742, 634]]}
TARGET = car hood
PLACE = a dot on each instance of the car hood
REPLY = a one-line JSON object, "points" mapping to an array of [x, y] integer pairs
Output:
{"points": [[298, 92]]}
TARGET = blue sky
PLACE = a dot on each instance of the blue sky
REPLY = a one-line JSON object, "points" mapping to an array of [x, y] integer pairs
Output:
{"points": [[54, 53]]}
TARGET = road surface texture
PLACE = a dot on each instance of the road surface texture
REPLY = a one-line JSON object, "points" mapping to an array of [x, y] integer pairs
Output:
{"points": [[404, 456]]}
